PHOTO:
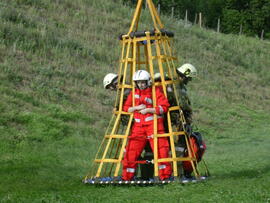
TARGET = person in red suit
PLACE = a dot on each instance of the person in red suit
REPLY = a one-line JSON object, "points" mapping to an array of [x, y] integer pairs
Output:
{"points": [[143, 128]]}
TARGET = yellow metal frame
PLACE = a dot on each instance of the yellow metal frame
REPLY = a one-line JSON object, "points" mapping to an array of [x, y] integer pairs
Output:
{"points": [[135, 56]]}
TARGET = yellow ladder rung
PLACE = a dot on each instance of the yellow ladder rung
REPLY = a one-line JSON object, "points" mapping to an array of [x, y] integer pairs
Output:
{"points": [[169, 134], [140, 39], [163, 135], [179, 133], [115, 136], [125, 36], [174, 108], [176, 159], [122, 112], [125, 86], [107, 160], [127, 60], [163, 56]]}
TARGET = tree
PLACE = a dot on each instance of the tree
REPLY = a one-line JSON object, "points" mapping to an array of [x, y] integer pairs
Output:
{"points": [[253, 15]]}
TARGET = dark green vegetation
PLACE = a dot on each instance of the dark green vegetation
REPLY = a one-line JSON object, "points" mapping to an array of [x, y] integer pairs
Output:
{"points": [[54, 111], [252, 16]]}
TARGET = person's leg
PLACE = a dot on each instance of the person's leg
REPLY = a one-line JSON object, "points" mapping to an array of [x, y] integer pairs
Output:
{"points": [[180, 148], [165, 169], [163, 152], [147, 170], [133, 150]]}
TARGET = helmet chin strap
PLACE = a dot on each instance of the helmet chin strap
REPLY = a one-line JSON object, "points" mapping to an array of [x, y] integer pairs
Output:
{"points": [[186, 80]]}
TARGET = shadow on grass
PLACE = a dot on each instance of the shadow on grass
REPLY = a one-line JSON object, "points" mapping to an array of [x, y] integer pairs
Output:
{"points": [[249, 173]]}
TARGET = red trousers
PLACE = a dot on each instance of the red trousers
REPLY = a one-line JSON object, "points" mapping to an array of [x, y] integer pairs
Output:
{"points": [[140, 135]]}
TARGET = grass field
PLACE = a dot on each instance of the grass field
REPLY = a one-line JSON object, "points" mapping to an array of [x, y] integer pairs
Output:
{"points": [[54, 110]]}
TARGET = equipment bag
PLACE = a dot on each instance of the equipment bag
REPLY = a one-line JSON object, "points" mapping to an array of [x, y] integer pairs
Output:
{"points": [[198, 146]]}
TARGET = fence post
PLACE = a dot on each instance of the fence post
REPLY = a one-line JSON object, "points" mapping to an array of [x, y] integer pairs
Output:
{"points": [[262, 34], [240, 31], [218, 25], [186, 17], [159, 9], [200, 20], [195, 19], [146, 4], [172, 11]]}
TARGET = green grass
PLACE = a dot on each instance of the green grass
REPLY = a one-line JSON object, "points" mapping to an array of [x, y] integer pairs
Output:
{"points": [[54, 110]]}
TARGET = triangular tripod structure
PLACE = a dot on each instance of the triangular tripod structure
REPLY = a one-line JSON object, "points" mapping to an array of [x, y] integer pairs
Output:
{"points": [[150, 50]]}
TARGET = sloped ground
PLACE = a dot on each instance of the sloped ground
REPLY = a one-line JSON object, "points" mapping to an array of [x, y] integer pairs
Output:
{"points": [[54, 111]]}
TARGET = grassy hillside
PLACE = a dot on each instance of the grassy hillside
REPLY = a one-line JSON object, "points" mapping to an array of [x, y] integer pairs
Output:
{"points": [[54, 110]]}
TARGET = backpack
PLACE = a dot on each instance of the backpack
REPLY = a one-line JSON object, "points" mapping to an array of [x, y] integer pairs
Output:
{"points": [[199, 147]]}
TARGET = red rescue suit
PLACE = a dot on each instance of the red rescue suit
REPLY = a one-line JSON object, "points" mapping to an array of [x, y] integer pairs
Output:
{"points": [[142, 131]]}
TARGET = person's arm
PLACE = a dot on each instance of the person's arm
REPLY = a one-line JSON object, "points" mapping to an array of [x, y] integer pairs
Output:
{"points": [[148, 110], [162, 102], [128, 102], [136, 108], [128, 105]]}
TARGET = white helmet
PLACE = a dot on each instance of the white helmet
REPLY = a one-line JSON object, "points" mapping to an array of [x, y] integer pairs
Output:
{"points": [[188, 70], [108, 79], [157, 76], [142, 75]]}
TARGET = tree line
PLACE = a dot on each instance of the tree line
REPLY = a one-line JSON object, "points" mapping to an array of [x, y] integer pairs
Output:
{"points": [[250, 17]]}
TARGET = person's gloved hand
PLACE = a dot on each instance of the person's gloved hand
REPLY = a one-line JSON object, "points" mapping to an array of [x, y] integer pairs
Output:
{"points": [[144, 111], [148, 110], [140, 107], [136, 108]]}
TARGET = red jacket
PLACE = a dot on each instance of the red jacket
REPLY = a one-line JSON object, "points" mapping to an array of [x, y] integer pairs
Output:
{"points": [[145, 97]]}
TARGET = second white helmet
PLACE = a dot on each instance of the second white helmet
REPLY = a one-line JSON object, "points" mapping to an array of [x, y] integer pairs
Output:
{"points": [[157, 76], [188, 70], [142, 75], [108, 79]]}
